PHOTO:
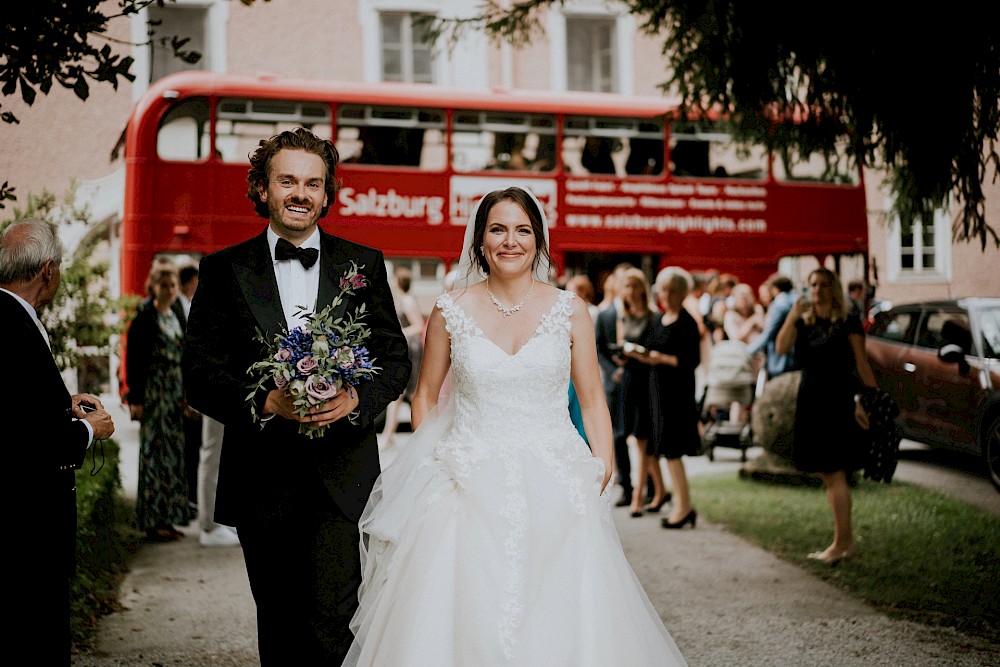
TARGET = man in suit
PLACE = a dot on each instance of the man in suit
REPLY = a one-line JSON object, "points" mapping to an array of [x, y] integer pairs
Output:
{"points": [[606, 332], [294, 501], [48, 433]]}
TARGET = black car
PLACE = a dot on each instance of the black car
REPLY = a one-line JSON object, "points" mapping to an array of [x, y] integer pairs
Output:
{"points": [[940, 360]]}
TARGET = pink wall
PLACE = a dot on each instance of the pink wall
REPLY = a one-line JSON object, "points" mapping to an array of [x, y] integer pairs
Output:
{"points": [[312, 39]]}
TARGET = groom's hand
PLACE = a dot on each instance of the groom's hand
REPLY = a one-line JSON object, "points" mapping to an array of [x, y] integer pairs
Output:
{"points": [[341, 405]]}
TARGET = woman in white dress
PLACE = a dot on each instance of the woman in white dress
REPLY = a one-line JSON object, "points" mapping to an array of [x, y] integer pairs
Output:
{"points": [[489, 539]]}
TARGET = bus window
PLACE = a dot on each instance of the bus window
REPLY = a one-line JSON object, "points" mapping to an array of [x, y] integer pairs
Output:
{"points": [[700, 149], [836, 168], [394, 136], [645, 157], [242, 123], [182, 133], [486, 140], [615, 146]]}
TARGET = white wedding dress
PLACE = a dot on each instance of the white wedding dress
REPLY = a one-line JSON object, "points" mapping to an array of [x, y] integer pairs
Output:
{"points": [[487, 540]]}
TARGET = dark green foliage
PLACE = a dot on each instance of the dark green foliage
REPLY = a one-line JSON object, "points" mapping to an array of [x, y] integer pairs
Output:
{"points": [[105, 540]]}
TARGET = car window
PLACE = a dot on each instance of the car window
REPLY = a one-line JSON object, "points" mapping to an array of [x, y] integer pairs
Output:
{"points": [[990, 324], [939, 328], [893, 326]]}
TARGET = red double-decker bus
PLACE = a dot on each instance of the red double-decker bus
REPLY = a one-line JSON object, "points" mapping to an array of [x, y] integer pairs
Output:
{"points": [[621, 177]]}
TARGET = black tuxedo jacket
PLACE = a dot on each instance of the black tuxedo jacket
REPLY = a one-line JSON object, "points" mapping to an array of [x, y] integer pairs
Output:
{"points": [[44, 446], [270, 472]]}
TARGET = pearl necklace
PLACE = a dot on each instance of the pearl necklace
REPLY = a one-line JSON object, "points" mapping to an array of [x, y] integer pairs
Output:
{"points": [[507, 312]]}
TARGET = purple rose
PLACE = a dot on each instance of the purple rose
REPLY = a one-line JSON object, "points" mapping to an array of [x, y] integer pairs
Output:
{"points": [[307, 364], [283, 354], [319, 389], [345, 357], [280, 380]]}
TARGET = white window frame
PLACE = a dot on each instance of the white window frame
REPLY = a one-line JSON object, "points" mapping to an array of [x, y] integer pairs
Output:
{"points": [[942, 271], [622, 48], [407, 48], [215, 39]]}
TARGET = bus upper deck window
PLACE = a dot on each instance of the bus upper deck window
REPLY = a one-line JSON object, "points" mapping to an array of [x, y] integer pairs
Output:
{"points": [[708, 149], [183, 132], [391, 136], [241, 123]]}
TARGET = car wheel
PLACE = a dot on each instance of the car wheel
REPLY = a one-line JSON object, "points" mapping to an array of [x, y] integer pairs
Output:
{"points": [[991, 450]]}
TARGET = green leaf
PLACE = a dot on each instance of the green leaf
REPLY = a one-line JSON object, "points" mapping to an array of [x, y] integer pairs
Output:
{"points": [[81, 88]]}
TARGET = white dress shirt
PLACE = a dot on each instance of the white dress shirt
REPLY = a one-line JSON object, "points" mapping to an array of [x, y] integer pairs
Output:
{"points": [[298, 287]]}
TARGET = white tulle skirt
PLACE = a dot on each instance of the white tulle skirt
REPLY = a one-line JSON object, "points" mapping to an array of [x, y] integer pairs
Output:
{"points": [[464, 570]]}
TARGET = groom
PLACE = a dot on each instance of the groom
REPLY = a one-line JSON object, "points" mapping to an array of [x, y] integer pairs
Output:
{"points": [[295, 501]]}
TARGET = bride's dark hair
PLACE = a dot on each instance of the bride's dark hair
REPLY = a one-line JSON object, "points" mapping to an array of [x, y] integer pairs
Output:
{"points": [[527, 203]]}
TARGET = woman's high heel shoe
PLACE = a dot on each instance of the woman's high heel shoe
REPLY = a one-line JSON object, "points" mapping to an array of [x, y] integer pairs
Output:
{"points": [[691, 518], [657, 506], [834, 559]]}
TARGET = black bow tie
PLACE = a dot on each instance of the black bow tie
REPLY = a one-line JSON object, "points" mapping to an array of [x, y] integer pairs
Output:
{"points": [[285, 250]]}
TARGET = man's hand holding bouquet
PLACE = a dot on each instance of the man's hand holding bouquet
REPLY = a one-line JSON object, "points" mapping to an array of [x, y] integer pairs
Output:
{"points": [[314, 363]]}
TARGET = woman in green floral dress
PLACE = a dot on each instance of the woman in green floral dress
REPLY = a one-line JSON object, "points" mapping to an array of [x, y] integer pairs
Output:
{"points": [[156, 400]]}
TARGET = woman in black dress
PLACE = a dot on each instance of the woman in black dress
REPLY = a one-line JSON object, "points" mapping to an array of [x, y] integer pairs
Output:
{"points": [[633, 326], [830, 349], [673, 353]]}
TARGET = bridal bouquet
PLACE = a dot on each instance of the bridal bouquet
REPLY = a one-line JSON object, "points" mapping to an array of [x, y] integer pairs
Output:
{"points": [[314, 361]]}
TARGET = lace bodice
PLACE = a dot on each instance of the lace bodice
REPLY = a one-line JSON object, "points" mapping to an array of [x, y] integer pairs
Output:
{"points": [[506, 395]]}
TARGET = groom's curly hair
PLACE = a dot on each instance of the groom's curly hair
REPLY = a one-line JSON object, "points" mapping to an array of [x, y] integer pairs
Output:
{"points": [[527, 203], [297, 139]]}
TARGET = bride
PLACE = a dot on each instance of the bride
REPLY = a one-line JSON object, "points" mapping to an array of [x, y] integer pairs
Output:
{"points": [[489, 539]]}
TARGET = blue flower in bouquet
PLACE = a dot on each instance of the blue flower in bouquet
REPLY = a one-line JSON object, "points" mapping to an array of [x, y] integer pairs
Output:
{"points": [[316, 360]]}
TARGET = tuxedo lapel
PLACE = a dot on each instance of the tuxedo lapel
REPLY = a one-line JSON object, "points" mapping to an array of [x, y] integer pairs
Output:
{"points": [[333, 264], [255, 276]]}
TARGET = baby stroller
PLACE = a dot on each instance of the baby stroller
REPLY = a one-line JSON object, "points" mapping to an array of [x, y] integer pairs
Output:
{"points": [[728, 399]]}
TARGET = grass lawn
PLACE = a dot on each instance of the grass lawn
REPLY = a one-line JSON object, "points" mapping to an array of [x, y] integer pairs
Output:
{"points": [[922, 556]]}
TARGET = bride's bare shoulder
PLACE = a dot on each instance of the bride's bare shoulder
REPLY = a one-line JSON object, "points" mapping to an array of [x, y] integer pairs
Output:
{"points": [[465, 292]]}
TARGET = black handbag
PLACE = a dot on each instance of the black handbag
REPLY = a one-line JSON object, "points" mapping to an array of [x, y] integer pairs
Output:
{"points": [[883, 434]]}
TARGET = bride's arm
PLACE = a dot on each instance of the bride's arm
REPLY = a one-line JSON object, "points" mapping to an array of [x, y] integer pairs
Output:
{"points": [[434, 365], [586, 377]]}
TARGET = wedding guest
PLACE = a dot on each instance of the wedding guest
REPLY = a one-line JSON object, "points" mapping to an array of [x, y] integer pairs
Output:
{"points": [[51, 432], [156, 400], [635, 323], [780, 288], [606, 333], [745, 320], [489, 538], [294, 501], [212, 534], [830, 350], [672, 352], [412, 322]]}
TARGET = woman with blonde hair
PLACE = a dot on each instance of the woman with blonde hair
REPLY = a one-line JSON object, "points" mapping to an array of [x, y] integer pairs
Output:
{"points": [[634, 325], [830, 350]]}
